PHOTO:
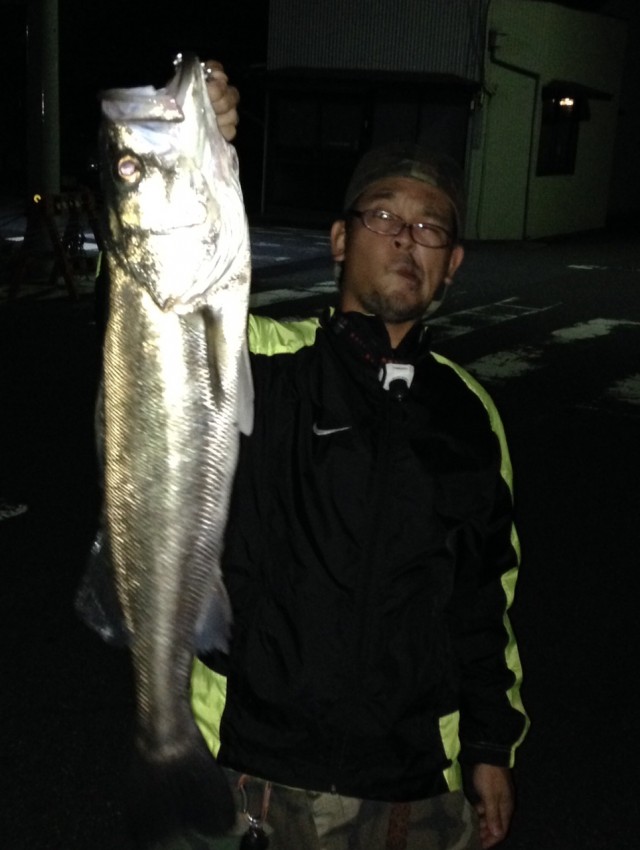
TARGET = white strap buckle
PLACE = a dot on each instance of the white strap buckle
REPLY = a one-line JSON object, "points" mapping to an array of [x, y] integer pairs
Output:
{"points": [[395, 371]]}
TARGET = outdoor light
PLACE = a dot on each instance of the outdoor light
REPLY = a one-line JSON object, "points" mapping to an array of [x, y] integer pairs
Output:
{"points": [[567, 102]]}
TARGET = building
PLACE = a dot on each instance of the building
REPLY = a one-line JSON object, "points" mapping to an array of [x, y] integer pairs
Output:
{"points": [[523, 93]]}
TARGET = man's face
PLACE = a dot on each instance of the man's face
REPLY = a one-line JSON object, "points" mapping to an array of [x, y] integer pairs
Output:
{"points": [[392, 276]]}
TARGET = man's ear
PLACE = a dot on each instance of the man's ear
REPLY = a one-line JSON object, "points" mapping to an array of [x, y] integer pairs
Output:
{"points": [[338, 240], [456, 258]]}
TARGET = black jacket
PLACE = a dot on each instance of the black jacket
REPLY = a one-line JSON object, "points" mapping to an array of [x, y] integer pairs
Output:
{"points": [[370, 560]]}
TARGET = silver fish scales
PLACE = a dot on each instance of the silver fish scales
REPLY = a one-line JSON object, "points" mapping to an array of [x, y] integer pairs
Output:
{"points": [[176, 392]]}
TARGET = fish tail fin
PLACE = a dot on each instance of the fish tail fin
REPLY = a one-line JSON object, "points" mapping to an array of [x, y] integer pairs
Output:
{"points": [[186, 795]]}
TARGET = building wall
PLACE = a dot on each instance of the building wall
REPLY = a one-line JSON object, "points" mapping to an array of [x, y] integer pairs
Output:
{"points": [[569, 203], [499, 159], [624, 199], [400, 63], [434, 36], [512, 49], [543, 42], [320, 123]]}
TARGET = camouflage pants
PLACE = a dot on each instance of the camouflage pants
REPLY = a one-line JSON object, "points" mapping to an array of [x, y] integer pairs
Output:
{"points": [[307, 820]]}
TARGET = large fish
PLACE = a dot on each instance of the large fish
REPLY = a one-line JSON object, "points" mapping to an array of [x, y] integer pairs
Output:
{"points": [[176, 392]]}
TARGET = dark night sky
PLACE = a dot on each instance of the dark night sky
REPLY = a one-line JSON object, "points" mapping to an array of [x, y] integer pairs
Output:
{"points": [[120, 43]]}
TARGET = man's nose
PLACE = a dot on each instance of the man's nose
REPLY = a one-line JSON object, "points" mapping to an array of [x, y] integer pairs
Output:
{"points": [[405, 237]]}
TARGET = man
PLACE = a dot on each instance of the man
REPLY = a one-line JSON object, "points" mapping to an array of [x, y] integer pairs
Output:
{"points": [[370, 555]]}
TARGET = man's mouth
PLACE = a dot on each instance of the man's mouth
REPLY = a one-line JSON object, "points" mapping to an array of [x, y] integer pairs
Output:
{"points": [[408, 271]]}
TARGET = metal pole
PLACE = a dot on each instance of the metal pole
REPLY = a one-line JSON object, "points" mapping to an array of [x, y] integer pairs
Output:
{"points": [[43, 135], [43, 107]]}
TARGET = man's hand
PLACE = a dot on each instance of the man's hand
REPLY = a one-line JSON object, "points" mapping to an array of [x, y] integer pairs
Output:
{"points": [[224, 99], [495, 801]]}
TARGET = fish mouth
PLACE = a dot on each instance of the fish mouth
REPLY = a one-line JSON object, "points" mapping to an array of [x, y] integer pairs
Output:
{"points": [[148, 217], [168, 230]]}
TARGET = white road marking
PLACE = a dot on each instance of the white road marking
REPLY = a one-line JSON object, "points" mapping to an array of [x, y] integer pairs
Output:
{"points": [[626, 390], [266, 259], [501, 366], [590, 330], [324, 286], [275, 296], [589, 267], [505, 365], [467, 321]]}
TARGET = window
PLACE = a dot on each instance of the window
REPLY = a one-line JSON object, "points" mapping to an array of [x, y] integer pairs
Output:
{"points": [[562, 112]]}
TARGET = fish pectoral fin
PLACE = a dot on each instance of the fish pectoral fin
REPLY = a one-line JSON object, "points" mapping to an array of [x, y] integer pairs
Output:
{"points": [[245, 392], [213, 345], [220, 362]]}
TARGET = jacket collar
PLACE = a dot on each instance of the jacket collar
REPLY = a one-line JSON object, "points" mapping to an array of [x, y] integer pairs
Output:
{"points": [[356, 346], [365, 339]]}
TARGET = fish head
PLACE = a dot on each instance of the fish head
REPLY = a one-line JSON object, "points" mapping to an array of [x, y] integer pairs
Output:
{"points": [[175, 214]]}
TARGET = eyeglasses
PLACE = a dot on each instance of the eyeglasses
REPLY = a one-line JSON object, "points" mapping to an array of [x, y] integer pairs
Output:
{"points": [[388, 224]]}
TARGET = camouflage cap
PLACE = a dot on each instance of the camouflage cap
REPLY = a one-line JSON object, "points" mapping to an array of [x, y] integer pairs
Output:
{"points": [[410, 160]]}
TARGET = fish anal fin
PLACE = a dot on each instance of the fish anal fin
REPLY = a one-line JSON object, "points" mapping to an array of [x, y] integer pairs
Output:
{"points": [[213, 627], [96, 601]]}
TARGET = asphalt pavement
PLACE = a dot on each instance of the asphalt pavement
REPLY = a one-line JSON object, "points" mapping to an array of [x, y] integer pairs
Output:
{"points": [[553, 330]]}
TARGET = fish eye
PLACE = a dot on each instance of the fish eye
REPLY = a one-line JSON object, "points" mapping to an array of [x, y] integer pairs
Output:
{"points": [[129, 169]]}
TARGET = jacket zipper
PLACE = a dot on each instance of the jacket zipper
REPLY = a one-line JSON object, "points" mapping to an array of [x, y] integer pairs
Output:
{"points": [[369, 569]]}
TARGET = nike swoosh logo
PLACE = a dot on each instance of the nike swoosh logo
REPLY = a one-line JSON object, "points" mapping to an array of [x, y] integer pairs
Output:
{"points": [[324, 432]]}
